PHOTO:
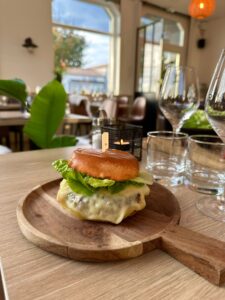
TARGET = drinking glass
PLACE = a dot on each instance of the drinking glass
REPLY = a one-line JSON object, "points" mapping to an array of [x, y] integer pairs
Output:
{"points": [[166, 154], [205, 164], [214, 206], [179, 96]]}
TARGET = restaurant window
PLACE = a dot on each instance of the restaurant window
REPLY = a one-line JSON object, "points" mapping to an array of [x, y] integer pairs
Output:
{"points": [[162, 40], [86, 37]]}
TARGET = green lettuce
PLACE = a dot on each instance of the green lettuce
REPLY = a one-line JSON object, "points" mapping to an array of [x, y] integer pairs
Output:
{"points": [[75, 179], [97, 182], [197, 120], [87, 185]]}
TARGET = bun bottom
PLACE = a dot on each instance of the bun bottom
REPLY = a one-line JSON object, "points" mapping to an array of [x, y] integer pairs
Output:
{"points": [[103, 206]]}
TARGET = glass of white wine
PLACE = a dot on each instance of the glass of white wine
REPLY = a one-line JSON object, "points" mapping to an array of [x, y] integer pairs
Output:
{"points": [[179, 95], [214, 206]]}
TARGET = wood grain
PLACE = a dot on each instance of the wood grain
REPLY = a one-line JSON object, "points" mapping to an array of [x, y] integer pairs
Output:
{"points": [[32, 273], [45, 223]]}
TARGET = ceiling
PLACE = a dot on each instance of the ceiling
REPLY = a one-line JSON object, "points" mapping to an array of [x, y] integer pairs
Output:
{"points": [[181, 6]]}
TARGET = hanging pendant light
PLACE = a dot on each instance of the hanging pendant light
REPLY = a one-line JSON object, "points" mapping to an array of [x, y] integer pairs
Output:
{"points": [[201, 9]]}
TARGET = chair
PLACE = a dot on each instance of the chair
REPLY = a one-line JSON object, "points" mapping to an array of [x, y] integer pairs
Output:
{"points": [[78, 105], [110, 107], [122, 107], [138, 109], [137, 113]]}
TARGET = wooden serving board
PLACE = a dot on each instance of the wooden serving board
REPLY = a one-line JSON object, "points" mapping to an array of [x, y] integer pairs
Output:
{"points": [[47, 225]]}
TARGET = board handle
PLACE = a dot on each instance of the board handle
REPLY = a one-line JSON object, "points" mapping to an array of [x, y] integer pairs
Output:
{"points": [[202, 254]]}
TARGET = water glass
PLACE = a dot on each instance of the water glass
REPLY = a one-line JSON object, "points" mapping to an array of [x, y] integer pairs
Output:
{"points": [[166, 154], [206, 164]]}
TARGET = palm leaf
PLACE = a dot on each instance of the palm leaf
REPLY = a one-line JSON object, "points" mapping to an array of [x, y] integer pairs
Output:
{"points": [[14, 88], [47, 112]]}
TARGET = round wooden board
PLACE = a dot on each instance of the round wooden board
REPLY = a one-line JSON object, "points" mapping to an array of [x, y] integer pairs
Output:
{"points": [[47, 225]]}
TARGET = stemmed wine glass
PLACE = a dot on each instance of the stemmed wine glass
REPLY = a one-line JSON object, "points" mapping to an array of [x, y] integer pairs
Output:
{"points": [[215, 98], [179, 96], [214, 206]]}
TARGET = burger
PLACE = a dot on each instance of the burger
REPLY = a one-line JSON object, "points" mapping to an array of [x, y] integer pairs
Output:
{"points": [[102, 186]]}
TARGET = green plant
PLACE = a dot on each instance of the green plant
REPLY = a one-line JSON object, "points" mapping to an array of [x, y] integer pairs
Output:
{"points": [[46, 112], [198, 121], [14, 88]]}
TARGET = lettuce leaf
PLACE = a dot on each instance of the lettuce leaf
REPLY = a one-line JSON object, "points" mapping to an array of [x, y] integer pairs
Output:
{"points": [[121, 185], [87, 185], [97, 182], [79, 188], [75, 179]]}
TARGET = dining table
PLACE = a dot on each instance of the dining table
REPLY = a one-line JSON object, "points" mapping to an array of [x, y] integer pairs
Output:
{"points": [[10, 106], [32, 273], [17, 118]]}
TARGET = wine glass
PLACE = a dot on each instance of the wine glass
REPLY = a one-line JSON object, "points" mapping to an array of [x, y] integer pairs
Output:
{"points": [[214, 206], [215, 98], [179, 95]]}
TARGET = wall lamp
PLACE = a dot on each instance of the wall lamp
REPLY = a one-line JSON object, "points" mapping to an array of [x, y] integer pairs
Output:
{"points": [[29, 44]]}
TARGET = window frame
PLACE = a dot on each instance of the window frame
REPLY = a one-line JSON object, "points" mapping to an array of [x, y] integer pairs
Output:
{"points": [[183, 20], [114, 55]]}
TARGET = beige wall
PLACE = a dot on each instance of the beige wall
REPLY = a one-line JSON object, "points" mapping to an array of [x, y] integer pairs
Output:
{"points": [[205, 59], [20, 19], [130, 19]]}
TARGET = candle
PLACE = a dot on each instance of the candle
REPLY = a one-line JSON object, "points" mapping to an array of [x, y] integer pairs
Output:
{"points": [[122, 145]]}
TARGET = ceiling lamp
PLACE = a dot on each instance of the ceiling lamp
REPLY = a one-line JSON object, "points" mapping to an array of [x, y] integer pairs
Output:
{"points": [[201, 9]]}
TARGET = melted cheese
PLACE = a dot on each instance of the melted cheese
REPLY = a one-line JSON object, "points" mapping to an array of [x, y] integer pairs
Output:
{"points": [[104, 206]]}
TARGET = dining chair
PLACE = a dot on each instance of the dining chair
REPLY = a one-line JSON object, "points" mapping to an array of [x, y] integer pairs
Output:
{"points": [[122, 106], [137, 113], [81, 107], [110, 107]]}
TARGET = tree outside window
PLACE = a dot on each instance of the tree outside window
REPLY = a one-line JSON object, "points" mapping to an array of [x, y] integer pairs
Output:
{"points": [[84, 37]]}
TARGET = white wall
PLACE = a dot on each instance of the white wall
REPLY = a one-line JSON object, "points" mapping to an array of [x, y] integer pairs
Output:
{"points": [[20, 19], [205, 59]]}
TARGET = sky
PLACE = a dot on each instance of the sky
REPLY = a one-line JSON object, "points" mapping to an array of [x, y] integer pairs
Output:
{"points": [[86, 15]]}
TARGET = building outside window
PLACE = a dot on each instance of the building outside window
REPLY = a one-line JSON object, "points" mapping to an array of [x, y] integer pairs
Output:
{"points": [[86, 45]]}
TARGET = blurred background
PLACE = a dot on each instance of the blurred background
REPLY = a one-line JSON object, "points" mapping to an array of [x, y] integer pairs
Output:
{"points": [[103, 50]]}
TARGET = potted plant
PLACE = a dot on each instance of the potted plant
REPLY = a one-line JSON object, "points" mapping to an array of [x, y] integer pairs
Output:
{"points": [[46, 112]]}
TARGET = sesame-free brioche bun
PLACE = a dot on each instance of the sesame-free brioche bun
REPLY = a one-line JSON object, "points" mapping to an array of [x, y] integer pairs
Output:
{"points": [[111, 164]]}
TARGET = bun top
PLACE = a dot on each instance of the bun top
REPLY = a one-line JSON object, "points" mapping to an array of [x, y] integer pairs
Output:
{"points": [[111, 164]]}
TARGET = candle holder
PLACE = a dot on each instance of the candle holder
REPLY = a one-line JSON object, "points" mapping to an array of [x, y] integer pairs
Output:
{"points": [[125, 137]]}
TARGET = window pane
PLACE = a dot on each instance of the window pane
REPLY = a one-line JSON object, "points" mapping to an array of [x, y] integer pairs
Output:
{"points": [[169, 58], [149, 58], [173, 33], [84, 57], [80, 14]]}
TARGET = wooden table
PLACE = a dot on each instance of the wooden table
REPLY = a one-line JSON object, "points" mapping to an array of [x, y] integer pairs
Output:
{"points": [[32, 273], [10, 106], [76, 119], [11, 118]]}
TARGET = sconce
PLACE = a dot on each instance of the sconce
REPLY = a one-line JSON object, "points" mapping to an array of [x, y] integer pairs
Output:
{"points": [[29, 44], [201, 42]]}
